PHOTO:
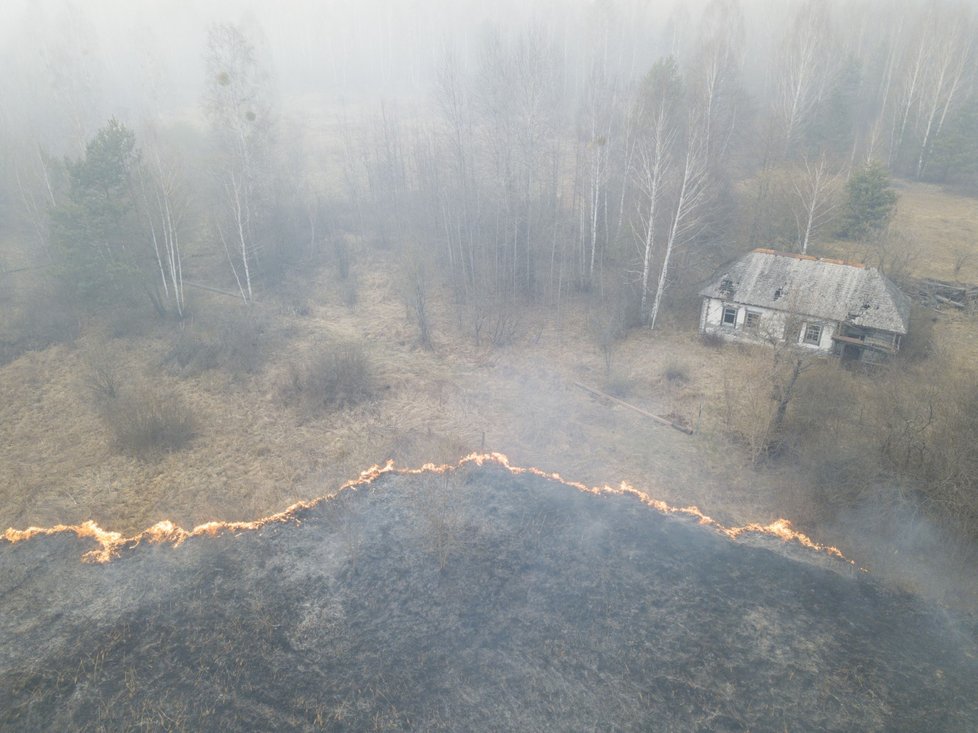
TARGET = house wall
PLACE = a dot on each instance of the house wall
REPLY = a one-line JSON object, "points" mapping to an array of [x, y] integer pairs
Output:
{"points": [[773, 325]]}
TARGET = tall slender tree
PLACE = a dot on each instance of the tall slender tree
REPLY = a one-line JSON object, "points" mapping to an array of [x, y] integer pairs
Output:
{"points": [[237, 104]]}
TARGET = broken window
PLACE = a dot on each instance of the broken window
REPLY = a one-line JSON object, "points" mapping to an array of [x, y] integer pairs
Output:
{"points": [[813, 334], [729, 316], [753, 320]]}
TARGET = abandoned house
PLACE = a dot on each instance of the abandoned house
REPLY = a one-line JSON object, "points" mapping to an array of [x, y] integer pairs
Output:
{"points": [[824, 305]]}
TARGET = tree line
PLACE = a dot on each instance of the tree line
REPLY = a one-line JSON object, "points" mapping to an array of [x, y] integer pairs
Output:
{"points": [[530, 171]]}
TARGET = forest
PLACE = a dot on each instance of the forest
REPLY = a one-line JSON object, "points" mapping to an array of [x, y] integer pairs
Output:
{"points": [[245, 253]]}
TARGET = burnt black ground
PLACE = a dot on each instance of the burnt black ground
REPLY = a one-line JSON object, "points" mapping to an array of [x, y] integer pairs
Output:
{"points": [[478, 601]]}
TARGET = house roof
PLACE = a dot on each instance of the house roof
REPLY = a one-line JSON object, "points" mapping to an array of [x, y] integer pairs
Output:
{"points": [[831, 290]]}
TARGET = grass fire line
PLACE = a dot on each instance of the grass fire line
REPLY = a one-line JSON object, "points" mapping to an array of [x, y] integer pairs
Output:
{"points": [[110, 544]]}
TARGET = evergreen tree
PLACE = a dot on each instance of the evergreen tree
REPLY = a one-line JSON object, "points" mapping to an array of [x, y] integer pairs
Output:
{"points": [[101, 249], [870, 203]]}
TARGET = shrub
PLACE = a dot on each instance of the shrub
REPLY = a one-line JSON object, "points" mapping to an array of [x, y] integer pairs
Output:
{"points": [[147, 422], [713, 340], [36, 321], [236, 340], [918, 345], [101, 377], [676, 372], [337, 376]]}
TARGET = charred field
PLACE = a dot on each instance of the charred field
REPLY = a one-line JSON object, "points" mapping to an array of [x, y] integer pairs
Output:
{"points": [[471, 600]]}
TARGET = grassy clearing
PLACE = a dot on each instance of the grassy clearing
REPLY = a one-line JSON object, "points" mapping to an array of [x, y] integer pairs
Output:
{"points": [[936, 234], [944, 226], [254, 453]]}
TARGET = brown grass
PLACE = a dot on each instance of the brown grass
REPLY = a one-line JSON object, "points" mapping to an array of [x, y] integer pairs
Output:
{"points": [[941, 227], [253, 455]]}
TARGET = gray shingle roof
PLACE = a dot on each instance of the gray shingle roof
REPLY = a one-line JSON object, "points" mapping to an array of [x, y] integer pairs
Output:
{"points": [[826, 289]]}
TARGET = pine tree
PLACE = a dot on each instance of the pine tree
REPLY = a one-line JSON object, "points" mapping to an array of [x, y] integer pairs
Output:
{"points": [[870, 203]]}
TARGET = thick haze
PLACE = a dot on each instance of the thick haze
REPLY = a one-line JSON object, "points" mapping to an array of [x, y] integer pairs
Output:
{"points": [[144, 59], [141, 60]]}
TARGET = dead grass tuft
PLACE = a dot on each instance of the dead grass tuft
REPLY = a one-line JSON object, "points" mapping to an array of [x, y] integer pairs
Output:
{"points": [[147, 422], [236, 340], [335, 376], [676, 372]]}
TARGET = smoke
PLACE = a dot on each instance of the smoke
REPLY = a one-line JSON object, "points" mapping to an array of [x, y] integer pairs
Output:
{"points": [[893, 536]]}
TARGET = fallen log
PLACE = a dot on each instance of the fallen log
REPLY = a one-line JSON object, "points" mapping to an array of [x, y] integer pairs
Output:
{"points": [[210, 289], [948, 301], [661, 420]]}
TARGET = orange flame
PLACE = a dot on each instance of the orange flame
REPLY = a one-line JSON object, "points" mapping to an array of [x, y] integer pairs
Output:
{"points": [[110, 544]]}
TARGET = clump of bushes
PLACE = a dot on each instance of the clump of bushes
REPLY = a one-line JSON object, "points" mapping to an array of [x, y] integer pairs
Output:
{"points": [[146, 422], [35, 321], [676, 373], [236, 340], [335, 376], [713, 340]]}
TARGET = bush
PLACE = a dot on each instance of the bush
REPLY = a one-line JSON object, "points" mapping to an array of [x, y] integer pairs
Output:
{"points": [[42, 318], [676, 372], [713, 340], [236, 340], [146, 422], [337, 376], [101, 377]]}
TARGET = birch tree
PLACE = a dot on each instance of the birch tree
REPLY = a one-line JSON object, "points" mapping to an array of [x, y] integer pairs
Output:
{"points": [[659, 101], [236, 103], [816, 197], [685, 215], [596, 133], [804, 68], [715, 84], [949, 54], [163, 206]]}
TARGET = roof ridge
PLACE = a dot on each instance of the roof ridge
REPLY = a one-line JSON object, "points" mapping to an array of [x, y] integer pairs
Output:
{"points": [[810, 258]]}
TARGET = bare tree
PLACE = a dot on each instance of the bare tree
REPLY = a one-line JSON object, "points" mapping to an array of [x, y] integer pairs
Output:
{"points": [[949, 53], [816, 191], [804, 68], [163, 204], [715, 74], [687, 209], [240, 116]]}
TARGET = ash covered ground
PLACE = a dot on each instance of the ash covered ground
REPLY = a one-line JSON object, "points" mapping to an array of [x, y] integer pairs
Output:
{"points": [[477, 600]]}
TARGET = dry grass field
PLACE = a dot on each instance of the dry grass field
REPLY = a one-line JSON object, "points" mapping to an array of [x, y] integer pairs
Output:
{"points": [[936, 233], [944, 226], [254, 453]]}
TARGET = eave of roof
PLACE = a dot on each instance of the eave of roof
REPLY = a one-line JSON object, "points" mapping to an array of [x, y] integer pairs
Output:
{"points": [[827, 289]]}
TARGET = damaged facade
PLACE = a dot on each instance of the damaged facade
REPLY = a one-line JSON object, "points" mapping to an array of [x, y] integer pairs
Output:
{"points": [[823, 305]]}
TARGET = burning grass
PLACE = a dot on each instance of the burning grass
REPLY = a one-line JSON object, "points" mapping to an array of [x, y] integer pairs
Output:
{"points": [[472, 599], [111, 543]]}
